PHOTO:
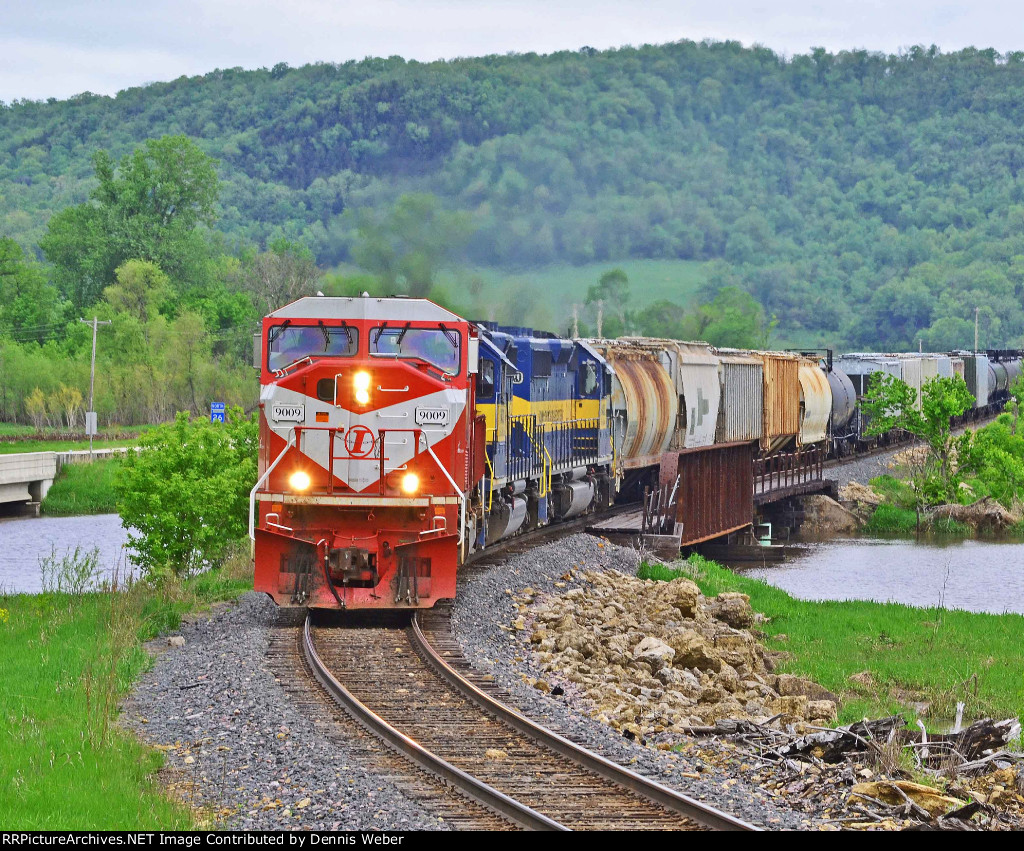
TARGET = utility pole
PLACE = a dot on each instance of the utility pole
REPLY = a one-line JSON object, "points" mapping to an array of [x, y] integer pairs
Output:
{"points": [[600, 316], [90, 415], [575, 321], [976, 329]]}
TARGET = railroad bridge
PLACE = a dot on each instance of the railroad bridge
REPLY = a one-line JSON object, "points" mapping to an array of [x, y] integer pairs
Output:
{"points": [[713, 491]]}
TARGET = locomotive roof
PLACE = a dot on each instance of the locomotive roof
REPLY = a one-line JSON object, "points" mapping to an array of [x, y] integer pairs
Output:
{"points": [[366, 307]]}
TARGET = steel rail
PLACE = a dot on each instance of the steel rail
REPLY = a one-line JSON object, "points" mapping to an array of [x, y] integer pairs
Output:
{"points": [[653, 791], [490, 797]]}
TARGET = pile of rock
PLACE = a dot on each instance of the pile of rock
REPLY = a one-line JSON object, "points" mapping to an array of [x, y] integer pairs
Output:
{"points": [[859, 499], [651, 656]]}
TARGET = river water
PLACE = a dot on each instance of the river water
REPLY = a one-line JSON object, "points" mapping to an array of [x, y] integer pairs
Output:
{"points": [[25, 541], [979, 576]]}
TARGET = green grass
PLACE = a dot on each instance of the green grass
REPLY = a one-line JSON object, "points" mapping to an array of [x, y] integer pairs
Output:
{"points": [[914, 655], [649, 280], [543, 297], [891, 520], [83, 488], [14, 447], [16, 438], [895, 491], [66, 661]]}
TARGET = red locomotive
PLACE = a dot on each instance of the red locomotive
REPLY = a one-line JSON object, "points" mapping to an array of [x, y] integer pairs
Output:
{"points": [[366, 452]]}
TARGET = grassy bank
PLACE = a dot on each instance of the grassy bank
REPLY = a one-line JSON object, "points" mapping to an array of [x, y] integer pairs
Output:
{"points": [[16, 438], [913, 655], [85, 488], [58, 445], [66, 661]]}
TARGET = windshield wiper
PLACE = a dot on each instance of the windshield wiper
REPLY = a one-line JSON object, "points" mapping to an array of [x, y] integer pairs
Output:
{"points": [[327, 337], [401, 336], [450, 336], [278, 329], [348, 333]]}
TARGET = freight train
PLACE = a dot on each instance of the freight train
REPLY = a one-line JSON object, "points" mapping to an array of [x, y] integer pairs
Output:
{"points": [[397, 439]]}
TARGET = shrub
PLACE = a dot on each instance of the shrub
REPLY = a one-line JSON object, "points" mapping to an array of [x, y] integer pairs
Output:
{"points": [[184, 496]]}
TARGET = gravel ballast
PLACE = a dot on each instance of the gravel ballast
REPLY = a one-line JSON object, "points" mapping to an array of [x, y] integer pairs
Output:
{"points": [[239, 748], [484, 610]]}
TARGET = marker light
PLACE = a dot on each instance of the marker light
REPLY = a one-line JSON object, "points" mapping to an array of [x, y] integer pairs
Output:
{"points": [[363, 397], [362, 381], [410, 483], [299, 481]]}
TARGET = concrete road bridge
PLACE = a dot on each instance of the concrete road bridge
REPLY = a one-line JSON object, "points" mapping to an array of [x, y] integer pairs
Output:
{"points": [[25, 477]]}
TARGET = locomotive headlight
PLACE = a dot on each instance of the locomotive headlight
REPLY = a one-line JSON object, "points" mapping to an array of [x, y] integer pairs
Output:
{"points": [[299, 481], [410, 483], [361, 381]]}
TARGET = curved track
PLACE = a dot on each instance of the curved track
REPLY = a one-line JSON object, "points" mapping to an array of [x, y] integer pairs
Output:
{"points": [[395, 682]]}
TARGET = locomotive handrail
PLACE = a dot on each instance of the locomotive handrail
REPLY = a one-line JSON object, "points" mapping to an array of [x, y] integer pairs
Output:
{"points": [[252, 494], [451, 481]]}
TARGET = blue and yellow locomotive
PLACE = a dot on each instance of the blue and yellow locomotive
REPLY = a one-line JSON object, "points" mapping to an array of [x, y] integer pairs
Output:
{"points": [[545, 405]]}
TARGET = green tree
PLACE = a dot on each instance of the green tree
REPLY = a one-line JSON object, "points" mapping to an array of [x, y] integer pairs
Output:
{"points": [[28, 304], [733, 319], [283, 273], [892, 404], [407, 246], [183, 497], [610, 296], [148, 207], [141, 286]]}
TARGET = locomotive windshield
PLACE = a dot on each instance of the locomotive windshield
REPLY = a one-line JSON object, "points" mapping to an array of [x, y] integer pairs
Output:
{"points": [[441, 347], [289, 343]]}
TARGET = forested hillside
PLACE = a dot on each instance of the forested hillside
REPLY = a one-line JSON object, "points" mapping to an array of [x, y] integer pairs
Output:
{"points": [[864, 200]]}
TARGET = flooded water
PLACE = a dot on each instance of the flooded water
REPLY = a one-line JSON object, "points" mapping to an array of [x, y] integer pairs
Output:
{"points": [[979, 576], [24, 541]]}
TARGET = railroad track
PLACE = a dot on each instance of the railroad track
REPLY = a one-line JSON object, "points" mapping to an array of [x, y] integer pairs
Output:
{"points": [[286, 662], [403, 682]]}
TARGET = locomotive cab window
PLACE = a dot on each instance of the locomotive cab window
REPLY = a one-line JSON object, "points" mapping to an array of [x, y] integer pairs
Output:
{"points": [[325, 389], [542, 364], [588, 379], [288, 343], [485, 380], [440, 347]]}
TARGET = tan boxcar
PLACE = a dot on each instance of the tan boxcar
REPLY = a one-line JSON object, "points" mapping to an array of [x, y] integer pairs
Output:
{"points": [[781, 399]]}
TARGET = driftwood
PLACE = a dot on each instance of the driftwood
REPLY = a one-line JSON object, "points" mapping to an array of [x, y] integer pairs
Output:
{"points": [[974, 750], [971, 743]]}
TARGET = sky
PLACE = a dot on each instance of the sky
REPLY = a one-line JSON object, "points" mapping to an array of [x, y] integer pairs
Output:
{"points": [[59, 48]]}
